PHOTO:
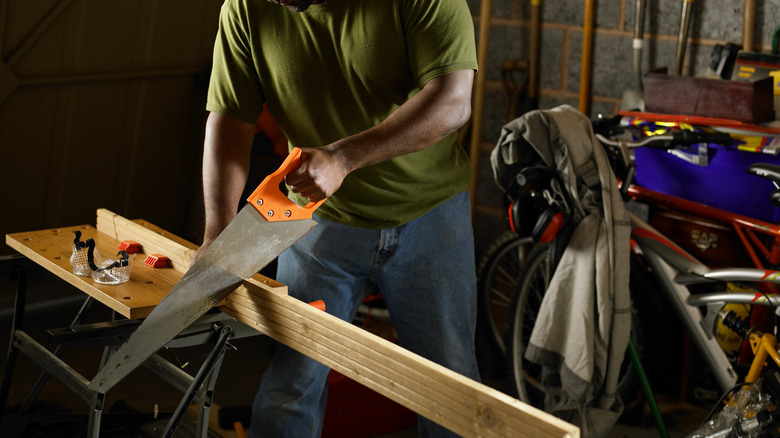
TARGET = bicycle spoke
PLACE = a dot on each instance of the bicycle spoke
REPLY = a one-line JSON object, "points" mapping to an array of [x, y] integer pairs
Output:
{"points": [[498, 274], [535, 384], [536, 294], [506, 275], [499, 298]]}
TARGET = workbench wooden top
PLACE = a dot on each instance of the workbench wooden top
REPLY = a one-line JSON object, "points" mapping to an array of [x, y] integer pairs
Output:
{"points": [[135, 298]]}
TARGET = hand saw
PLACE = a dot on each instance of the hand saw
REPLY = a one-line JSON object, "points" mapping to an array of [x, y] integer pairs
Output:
{"points": [[262, 230]]}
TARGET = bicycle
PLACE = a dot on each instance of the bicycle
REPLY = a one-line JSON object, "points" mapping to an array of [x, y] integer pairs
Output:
{"points": [[745, 410], [656, 258], [497, 274]]}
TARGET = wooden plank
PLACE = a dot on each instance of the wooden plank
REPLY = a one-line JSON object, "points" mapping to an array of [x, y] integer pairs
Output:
{"points": [[454, 401], [153, 239]]}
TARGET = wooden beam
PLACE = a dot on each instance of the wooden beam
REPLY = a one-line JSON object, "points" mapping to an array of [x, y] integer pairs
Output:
{"points": [[463, 405], [749, 26], [448, 398], [106, 76], [460, 404], [587, 56], [154, 240], [477, 112], [45, 20], [8, 82]]}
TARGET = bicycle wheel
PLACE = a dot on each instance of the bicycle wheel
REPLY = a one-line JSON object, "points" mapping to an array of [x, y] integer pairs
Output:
{"points": [[526, 376], [497, 276], [532, 284]]}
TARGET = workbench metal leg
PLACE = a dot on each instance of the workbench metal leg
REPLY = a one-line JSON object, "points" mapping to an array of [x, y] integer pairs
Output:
{"points": [[110, 349], [209, 368], [207, 398], [58, 352], [95, 415], [16, 324]]}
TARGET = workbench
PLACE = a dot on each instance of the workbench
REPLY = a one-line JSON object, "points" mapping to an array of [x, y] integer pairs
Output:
{"points": [[456, 402]]}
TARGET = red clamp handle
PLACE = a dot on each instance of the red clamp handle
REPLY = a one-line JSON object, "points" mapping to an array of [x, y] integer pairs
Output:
{"points": [[271, 203]]}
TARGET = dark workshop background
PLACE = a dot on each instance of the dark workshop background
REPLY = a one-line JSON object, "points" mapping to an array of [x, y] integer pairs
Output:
{"points": [[102, 103]]}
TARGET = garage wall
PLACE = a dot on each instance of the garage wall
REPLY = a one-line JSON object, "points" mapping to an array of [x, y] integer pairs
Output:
{"points": [[101, 105]]}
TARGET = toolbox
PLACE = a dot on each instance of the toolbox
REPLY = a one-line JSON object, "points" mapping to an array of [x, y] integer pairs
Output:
{"points": [[744, 101], [723, 182]]}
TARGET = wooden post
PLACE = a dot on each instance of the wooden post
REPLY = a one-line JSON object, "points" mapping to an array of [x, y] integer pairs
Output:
{"points": [[533, 59], [479, 97], [587, 57], [749, 25]]}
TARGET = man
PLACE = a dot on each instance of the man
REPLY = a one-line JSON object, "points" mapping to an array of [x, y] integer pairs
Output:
{"points": [[372, 92]]}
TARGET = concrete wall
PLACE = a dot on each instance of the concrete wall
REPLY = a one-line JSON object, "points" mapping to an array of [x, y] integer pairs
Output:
{"points": [[712, 22]]}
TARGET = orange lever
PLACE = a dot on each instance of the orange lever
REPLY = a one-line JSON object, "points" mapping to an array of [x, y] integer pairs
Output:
{"points": [[156, 261], [271, 203], [319, 304], [129, 246]]}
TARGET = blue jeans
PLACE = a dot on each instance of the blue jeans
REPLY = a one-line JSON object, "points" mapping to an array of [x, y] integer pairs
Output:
{"points": [[425, 272]]}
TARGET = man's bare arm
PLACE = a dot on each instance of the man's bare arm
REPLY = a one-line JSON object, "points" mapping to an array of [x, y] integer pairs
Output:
{"points": [[440, 108]]}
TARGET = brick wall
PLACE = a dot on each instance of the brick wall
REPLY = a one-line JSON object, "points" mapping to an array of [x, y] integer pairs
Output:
{"points": [[712, 22]]}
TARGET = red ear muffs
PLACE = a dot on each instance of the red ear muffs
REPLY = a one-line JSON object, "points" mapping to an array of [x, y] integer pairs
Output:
{"points": [[530, 212], [528, 218], [511, 215], [522, 215], [550, 222]]}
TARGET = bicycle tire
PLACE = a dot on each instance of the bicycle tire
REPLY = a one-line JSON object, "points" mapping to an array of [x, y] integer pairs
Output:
{"points": [[497, 275], [525, 376]]}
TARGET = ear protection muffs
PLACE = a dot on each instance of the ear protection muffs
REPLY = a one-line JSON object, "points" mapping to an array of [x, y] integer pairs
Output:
{"points": [[550, 222], [540, 220], [530, 213]]}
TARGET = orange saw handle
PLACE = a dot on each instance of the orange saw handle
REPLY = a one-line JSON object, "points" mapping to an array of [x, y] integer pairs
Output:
{"points": [[271, 203]]}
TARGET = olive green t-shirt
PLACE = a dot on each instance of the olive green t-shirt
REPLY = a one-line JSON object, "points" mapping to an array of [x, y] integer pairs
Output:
{"points": [[340, 68]]}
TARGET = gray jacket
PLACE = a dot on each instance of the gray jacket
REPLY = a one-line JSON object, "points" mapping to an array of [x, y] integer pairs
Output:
{"points": [[583, 326]]}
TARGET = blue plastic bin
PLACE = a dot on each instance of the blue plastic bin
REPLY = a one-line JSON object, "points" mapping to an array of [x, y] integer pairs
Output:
{"points": [[724, 183]]}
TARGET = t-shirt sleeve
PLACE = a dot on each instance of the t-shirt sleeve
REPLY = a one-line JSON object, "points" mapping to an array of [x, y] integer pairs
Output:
{"points": [[234, 86], [440, 38]]}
